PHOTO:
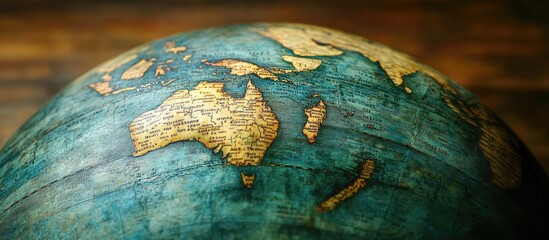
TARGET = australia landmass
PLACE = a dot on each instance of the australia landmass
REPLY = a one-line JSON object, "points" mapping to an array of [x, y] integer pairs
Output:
{"points": [[241, 128]]}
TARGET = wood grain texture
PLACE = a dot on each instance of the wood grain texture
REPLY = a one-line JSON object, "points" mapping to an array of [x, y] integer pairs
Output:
{"points": [[498, 51]]}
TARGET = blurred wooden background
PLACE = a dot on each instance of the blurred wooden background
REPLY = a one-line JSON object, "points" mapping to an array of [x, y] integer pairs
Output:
{"points": [[497, 49]]}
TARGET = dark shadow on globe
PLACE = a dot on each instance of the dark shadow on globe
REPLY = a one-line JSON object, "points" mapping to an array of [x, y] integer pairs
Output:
{"points": [[268, 131]]}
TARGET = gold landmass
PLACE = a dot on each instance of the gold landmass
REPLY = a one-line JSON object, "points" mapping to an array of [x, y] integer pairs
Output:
{"points": [[496, 144], [359, 183], [187, 57], [123, 90], [171, 47], [166, 83], [407, 89], [315, 117], [247, 180], [241, 68], [138, 69], [505, 163], [241, 128], [302, 64], [103, 88], [159, 71], [305, 41], [299, 42]]}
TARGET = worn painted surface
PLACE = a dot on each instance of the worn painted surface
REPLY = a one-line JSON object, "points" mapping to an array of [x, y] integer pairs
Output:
{"points": [[401, 151]]}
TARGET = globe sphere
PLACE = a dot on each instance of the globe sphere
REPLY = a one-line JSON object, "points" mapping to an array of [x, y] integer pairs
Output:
{"points": [[272, 131]]}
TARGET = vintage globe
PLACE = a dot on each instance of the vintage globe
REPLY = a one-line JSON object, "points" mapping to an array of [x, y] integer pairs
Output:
{"points": [[267, 131]]}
